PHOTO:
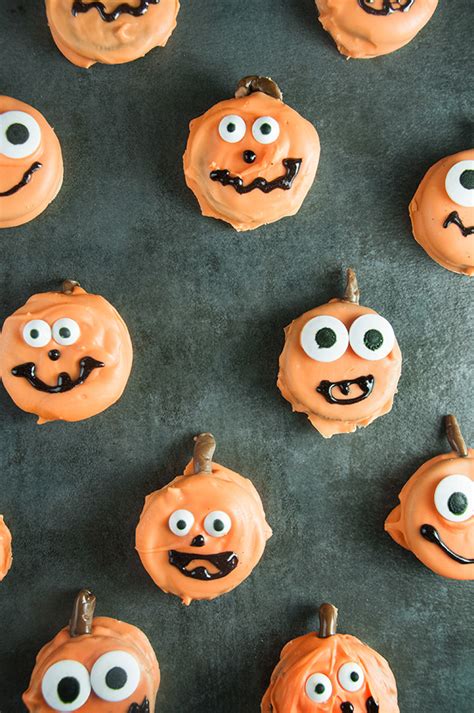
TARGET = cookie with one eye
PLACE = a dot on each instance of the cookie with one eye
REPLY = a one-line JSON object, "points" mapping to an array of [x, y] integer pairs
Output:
{"points": [[31, 164], [252, 159], [203, 534], [6, 558], [340, 364], [442, 213], [369, 28], [330, 672], [65, 355], [94, 665], [110, 31], [435, 517]]}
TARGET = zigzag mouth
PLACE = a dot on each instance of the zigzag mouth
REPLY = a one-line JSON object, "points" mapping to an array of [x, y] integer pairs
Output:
{"points": [[455, 219], [388, 6], [285, 182], [431, 534], [79, 7], [224, 563], [365, 384], [64, 382], [24, 181]]}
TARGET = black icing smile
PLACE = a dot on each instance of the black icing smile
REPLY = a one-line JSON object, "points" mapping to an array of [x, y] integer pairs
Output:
{"points": [[224, 562], [143, 708], [365, 384], [122, 9], [370, 705], [388, 6], [431, 534], [292, 166], [64, 383], [455, 219], [26, 179]]}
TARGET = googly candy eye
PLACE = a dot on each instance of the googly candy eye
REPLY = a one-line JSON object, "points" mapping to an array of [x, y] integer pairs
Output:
{"points": [[266, 130], [181, 522], [324, 338], [232, 128], [115, 676], [217, 524], [66, 686], [20, 134], [460, 183], [66, 331], [454, 498], [318, 688], [37, 333], [372, 337], [351, 677]]}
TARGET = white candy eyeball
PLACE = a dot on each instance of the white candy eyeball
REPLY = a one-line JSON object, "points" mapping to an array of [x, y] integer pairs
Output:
{"points": [[454, 498], [66, 686], [232, 128], [181, 522], [266, 130], [217, 524], [66, 331], [318, 688], [372, 337], [37, 333], [460, 183], [351, 677], [20, 134], [115, 676], [324, 338]]}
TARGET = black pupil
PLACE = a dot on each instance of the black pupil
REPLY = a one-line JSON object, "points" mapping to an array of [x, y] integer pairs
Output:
{"points": [[116, 678], [64, 332], [231, 127], [17, 134], [373, 339], [68, 689], [326, 338], [181, 525], [265, 129], [466, 179], [457, 503], [320, 688], [218, 525], [354, 676], [34, 334]]}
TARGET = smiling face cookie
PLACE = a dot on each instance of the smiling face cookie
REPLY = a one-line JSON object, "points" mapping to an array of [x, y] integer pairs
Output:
{"points": [[65, 355], [369, 28], [110, 32], [251, 160], [31, 164], [203, 534], [442, 213]]}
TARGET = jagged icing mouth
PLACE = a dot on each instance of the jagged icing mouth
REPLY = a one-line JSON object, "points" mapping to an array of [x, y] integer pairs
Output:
{"points": [[224, 563], [121, 9], [24, 181], [431, 534], [285, 182], [365, 384], [64, 382], [455, 219], [370, 705], [143, 708], [388, 6]]}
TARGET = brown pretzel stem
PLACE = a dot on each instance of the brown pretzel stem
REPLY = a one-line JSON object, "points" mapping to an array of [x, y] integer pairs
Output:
{"points": [[455, 438], [68, 286], [82, 614], [352, 292], [327, 621], [253, 83], [205, 445]]}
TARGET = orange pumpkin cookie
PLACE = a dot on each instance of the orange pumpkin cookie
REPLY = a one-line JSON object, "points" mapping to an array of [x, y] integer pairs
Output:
{"points": [[369, 28], [203, 534], [251, 160], [435, 518], [111, 32], [65, 355], [442, 213], [95, 665], [330, 672], [31, 163], [340, 364], [6, 558]]}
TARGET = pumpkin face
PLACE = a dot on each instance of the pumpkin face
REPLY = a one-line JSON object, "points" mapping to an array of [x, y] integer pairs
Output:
{"points": [[110, 668], [110, 31], [442, 213], [369, 28], [340, 365], [5, 549], [251, 160], [202, 535], [31, 164], [330, 674], [65, 355]]}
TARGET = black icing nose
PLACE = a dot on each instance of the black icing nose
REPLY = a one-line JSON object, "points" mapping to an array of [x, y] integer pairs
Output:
{"points": [[249, 156], [198, 541], [54, 354]]}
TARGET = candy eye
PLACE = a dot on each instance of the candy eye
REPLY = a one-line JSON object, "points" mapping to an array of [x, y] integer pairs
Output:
{"points": [[37, 333], [454, 498], [372, 337], [318, 688], [20, 134], [217, 524], [66, 686], [115, 676], [351, 677], [181, 522], [324, 338], [266, 130], [66, 331], [460, 183], [232, 128]]}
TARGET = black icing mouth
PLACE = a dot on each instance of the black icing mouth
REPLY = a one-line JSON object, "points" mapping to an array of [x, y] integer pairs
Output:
{"points": [[26, 179], [431, 534], [370, 705], [224, 562], [64, 383], [388, 6], [292, 166], [365, 384], [143, 708], [122, 9], [455, 219]]}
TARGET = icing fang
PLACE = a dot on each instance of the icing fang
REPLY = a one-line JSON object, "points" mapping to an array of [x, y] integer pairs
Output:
{"points": [[144, 708], [122, 9], [285, 182]]}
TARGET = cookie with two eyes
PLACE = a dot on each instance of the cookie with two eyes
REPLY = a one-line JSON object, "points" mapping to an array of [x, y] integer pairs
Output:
{"points": [[340, 364]]}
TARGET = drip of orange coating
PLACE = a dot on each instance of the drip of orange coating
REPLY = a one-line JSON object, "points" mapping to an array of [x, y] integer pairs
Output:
{"points": [[352, 292], [254, 83], [455, 437], [204, 449], [82, 614], [6, 558], [327, 620]]}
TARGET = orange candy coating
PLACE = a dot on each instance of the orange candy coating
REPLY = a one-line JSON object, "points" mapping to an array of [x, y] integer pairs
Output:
{"points": [[6, 558]]}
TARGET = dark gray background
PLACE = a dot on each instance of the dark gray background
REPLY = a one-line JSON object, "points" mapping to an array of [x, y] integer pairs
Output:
{"points": [[206, 309]]}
